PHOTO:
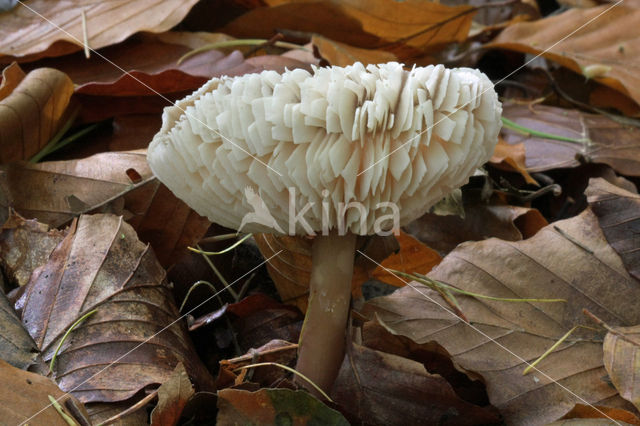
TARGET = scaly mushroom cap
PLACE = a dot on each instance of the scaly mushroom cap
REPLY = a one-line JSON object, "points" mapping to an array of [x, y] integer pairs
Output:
{"points": [[339, 135]]}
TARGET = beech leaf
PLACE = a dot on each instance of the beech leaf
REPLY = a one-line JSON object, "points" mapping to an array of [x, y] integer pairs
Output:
{"points": [[568, 259], [24, 30], [133, 340]]}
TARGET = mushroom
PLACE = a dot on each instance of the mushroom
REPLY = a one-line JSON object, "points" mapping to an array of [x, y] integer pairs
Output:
{"points": [[334, 153]]}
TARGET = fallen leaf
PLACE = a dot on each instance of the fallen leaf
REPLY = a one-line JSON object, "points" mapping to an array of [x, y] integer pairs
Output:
{"points": [[618, 213], [24, 398], [609, 142], [620, 354], [12, 75], [152, 58], [481, 221], [274, 406], [44, 28], [413, 256], [511, 158], [290, 270], [172, 398], [133, 340], [33, 113], [581, 411], [363, 24], [568, 259], [24, 246], [606, 97], [380, 388], [342, 55], [606, 35], [16, 346], [55, 192]]}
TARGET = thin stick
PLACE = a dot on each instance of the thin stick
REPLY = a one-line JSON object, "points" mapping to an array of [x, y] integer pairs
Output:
{"points": [[434, 283], [67, 418], [228, 249], [85, 35], [218, 274], [291, 370], [64, 337], [608, 328], [548, 351], [135, 407], [531, 132]]}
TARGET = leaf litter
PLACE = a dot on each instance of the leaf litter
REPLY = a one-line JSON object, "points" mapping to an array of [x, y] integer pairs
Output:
{"points": [[408, 358]]}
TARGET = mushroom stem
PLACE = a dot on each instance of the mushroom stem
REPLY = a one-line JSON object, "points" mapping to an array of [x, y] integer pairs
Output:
{"points": [[322, 340]]}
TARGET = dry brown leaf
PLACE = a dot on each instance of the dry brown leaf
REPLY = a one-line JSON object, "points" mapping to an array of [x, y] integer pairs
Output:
{"points": [[24, 398], [380, 388], [618, 213], [413, 256], [16, 346], [290, 270], [133, 340], [363, 24], [511, 158], [342, 55], [610, 142], [55, 192], [620, 355], [569, 259], [45, 28], [12, 75], [152, 59], [481, 221], [172, 397], [581, 411], [32, 114], [603, 43], [274, 406], [606, 97], [24, 246]]}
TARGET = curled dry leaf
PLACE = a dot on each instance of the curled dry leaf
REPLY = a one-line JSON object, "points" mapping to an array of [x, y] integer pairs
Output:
{"points": [[133, 340], [620, 354], [24, 398], [380, 388], [363, 24], [593, 413], [172, 398], [342, 55], [602, 38], [608, 142], [618, 213], [290, 269], [152, 58], [569, 259], [24, 246], [25, 33], [511, 158], [12, 75], [32, 114], [274, 406], [16, 346], [481, 221], [55, 192]]}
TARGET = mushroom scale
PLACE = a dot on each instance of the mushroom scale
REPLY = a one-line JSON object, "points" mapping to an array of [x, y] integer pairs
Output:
{"points": [[337, 135]]}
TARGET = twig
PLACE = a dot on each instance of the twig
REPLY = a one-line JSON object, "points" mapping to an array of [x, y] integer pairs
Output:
{"points": [[135, 407], [64, 337], [608, 328], [67, 418], [291, 370], [85, 35]]}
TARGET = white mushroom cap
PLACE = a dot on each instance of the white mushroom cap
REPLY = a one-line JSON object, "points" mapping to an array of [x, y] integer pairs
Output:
{"points": [[340, 135]]}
